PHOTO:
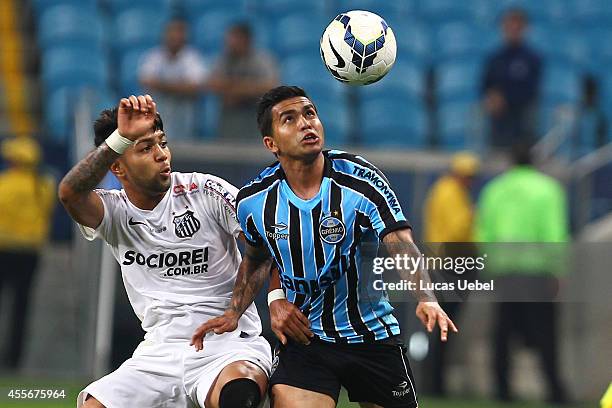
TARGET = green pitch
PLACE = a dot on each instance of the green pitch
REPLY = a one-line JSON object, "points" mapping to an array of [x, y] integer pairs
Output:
{"points": [[72, 388]]}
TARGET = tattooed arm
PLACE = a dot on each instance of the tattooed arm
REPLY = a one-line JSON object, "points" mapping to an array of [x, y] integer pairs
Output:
{"points": [[254, 270], [76, 188], [400, 243], [252, 273], [428, 310], [135, 117]]}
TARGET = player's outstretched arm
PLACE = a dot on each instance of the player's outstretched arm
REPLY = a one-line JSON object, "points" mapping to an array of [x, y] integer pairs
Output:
{"points": [[428, 310], [252, 274], [136, 116]]}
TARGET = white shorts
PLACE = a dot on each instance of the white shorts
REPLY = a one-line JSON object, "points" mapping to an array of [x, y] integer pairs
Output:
{"points": [[174, 374]]}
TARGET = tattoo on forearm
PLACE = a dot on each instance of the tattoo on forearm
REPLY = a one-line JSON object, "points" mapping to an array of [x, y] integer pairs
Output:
{"points": [[248, 284], [421, 276], [397, 246], [87, 173]]}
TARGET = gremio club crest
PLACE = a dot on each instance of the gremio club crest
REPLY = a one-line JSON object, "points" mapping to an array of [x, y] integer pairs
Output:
{"points": [[186, 224], [332, 229]]}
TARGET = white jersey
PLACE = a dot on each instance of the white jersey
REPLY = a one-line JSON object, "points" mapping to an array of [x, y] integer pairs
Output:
{"points": [[178, 261]]}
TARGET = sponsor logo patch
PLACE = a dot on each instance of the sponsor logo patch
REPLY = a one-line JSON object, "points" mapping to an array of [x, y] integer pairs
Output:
{"points": [[275, 231], [381, 185], [181, 189], [401, 390], [216, 187], [170, 264], [133, 223], [281, 226]]}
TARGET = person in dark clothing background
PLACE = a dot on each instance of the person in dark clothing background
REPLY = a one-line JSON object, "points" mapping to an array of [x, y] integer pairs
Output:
{"points": [[591, 130], [510, 85]]}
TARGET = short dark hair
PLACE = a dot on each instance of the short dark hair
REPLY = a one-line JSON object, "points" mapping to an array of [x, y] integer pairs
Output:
{"points": [[516, 12], [271, 98], [177, 20], [107, 123], [242, 27]]}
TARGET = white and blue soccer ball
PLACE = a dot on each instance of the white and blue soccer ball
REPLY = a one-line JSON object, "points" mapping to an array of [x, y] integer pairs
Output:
{"points": [[358, 47]]}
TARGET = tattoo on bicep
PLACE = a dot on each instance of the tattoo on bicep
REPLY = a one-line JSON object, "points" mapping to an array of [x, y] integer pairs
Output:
{"points": [[87, 173]]}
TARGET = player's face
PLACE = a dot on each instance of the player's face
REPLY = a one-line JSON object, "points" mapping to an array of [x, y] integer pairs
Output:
{"points": [[146, 165], [297, 131]]}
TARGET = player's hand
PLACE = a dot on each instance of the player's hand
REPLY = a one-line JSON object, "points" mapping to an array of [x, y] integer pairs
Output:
{"points": [[227, 322], [136, 116], [430, 314], [288, 320]]}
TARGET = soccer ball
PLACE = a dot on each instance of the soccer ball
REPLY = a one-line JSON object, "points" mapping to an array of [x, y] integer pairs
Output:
{"points": [[358, 47]]}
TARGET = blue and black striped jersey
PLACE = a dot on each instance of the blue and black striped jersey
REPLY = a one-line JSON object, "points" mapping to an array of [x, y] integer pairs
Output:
{"points": [[317, 243]]}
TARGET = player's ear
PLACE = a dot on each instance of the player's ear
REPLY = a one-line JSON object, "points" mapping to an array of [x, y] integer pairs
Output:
{"points": [[270, 144], [116, 168]]}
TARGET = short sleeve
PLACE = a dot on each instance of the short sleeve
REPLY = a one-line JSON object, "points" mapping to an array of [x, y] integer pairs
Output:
{"points": [[110, 200], [386, 219], [224, 194], [247, 223], [381, 203]]}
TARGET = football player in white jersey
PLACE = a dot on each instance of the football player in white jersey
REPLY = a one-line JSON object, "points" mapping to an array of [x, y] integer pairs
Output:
{"points": [[174, 235]]}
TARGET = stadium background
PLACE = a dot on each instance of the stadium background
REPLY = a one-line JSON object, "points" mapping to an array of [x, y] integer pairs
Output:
{"points": [[64, 60]]}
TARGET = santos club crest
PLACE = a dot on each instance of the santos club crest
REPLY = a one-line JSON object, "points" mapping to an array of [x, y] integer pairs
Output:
{"points": [[186, 224]]}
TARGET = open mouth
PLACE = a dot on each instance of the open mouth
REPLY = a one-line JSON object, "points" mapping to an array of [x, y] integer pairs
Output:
{"points": [[310, 137], [165, 171]]}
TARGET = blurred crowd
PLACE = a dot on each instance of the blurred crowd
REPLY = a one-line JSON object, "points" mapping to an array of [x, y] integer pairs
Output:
{"points": [[178, 74], [474, 75]]}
